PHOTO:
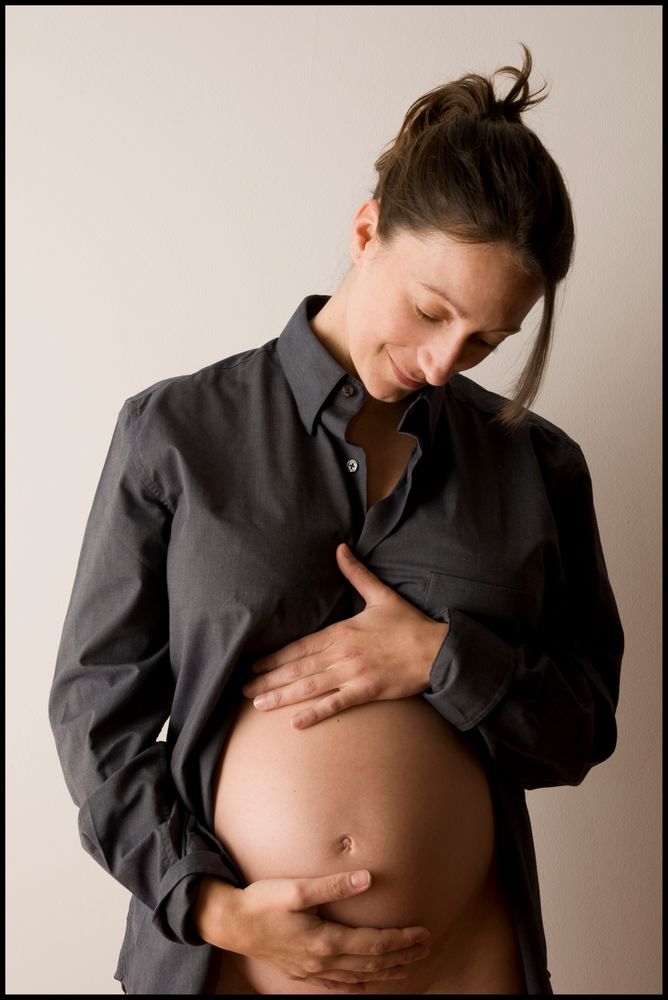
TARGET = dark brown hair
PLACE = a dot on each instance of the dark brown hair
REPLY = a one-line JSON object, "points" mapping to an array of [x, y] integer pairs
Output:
{"points": [[465, 164]]}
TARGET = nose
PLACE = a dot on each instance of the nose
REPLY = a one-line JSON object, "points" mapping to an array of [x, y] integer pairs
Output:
{"points": [[441, 357]]}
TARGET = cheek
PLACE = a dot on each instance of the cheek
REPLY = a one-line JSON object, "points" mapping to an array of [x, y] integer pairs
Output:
{"points": [[401, 335]]}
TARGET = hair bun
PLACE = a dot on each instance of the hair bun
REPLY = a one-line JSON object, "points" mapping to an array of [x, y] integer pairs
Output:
{"points": [[519, 97], [508, 110], [471, 94]]}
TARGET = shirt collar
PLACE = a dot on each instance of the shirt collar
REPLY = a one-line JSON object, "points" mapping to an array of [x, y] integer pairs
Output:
{"points": [[313, 373]]}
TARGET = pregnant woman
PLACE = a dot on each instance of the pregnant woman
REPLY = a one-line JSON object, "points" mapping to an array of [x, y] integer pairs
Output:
{"points": [[405, 565]]}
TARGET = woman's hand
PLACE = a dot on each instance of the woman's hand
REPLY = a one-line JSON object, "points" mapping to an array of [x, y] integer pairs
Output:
{"points": [[275, 920], [384, 652]]}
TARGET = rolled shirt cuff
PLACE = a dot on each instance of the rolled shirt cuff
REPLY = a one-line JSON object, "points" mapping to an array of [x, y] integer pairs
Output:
{"points": [[460, 691], [178, 891]]}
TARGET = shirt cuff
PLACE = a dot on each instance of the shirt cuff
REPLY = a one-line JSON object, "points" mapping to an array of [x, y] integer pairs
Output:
{"points": [[178, 891], [458, 689]]}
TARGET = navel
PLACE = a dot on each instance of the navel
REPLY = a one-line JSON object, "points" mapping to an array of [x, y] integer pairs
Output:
{"points": [[345, 843]]}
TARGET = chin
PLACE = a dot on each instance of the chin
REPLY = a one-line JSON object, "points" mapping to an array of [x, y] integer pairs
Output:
{"points": [[392, 395]]}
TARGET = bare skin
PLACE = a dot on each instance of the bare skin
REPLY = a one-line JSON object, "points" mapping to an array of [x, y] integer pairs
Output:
{"points": [[417, 816], [275, 919], [372, 324], [387, 451]]}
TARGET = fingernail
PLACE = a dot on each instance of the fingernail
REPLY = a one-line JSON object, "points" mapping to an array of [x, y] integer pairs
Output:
{"points": [[261, 701], [358, 879]]}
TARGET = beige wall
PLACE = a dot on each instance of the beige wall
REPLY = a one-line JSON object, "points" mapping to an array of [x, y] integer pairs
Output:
{"points": [[177, 180]]}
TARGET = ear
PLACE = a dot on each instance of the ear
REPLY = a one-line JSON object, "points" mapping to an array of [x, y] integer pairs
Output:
{"points": [[363, 240]]}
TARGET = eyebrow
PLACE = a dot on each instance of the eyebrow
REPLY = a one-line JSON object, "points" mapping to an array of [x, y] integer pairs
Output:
{"points": [[462, 312]]}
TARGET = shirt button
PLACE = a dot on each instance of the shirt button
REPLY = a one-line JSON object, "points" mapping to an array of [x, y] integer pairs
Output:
{"points": [[348, 389], [351, 465]]}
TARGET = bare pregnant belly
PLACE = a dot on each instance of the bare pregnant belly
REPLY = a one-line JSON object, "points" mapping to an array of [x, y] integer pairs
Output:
{"points": [[389, 786]]}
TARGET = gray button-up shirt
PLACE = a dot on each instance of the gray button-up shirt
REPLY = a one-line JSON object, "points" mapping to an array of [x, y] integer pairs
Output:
{"points": [[211, 542]]}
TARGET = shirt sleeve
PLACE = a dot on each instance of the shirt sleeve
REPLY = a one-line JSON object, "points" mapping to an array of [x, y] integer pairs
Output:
{"points": [[545, 709], [112, 692]]}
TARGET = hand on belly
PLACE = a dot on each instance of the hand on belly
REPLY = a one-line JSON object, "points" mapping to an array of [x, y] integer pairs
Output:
{"points": [[389, 786], [283, 937]]}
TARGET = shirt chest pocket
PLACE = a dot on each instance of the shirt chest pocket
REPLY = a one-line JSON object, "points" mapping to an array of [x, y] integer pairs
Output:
{"points": [[510, 612]]}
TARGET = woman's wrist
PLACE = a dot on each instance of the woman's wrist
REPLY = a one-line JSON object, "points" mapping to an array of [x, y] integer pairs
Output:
{"points": [[215, 910]]}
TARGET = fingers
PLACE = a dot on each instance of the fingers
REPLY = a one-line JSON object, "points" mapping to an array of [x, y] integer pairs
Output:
{"points": [[296, 670], [371, 587], [372, 941], [299, 650], [374, 966], [354, 980], [355, 969], [340, 938], [326, 708], [355, 954], [352, 984], [307, 892], [274, 695], [338, 987]]}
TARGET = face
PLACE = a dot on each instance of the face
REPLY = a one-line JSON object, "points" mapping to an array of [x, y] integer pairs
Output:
{"points": [[390, 325]]}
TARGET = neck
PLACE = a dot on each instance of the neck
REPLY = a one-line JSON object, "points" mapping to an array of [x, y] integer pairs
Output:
{"points": [[329, 326]]}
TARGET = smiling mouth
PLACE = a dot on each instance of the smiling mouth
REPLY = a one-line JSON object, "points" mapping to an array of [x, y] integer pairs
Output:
{"points": [[410, 383]]}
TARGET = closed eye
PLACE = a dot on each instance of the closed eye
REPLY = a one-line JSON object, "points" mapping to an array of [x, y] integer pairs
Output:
{"points": [[432, 319], [429, 319]]}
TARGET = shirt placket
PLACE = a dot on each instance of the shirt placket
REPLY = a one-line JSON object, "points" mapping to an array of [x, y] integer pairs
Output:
{"points": [[369, 528]]}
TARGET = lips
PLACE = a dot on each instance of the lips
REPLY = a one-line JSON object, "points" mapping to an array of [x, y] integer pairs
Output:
{"points": [[409, 382]]}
